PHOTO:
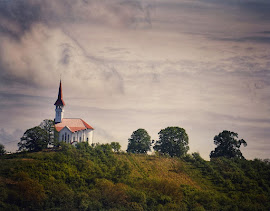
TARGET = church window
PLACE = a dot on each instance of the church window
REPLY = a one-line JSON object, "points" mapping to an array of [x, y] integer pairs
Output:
{"points": [[65, 136], [62, 137], [68, 137]]}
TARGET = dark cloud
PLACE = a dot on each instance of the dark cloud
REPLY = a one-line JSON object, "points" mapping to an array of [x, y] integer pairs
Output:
{"points": [[18, 97], [18, 16], [258, 39], [258, 9], [265, 32]]}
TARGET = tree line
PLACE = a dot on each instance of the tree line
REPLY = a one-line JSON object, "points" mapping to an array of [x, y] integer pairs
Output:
{"points": [[173, 141]]}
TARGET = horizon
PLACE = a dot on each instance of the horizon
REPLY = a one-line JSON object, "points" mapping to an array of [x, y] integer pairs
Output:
{"points": [[201, 65]]}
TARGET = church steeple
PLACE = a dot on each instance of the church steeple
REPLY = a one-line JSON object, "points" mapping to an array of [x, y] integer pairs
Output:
{"points": [[60, 100], [59, 106]]}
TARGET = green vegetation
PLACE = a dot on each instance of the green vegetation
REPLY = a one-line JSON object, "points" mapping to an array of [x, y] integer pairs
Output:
{"points": [[228, 145], [139, 142], [100, 177], [115, 146], [34, 139], [172, 141], [2, 149], [96, 178], [39, 137]]}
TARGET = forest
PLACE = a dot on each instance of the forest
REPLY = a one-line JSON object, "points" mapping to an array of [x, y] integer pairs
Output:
{"points": [[99, 178]]}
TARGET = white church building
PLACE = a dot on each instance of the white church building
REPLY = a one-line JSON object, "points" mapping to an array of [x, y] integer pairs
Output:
{"points": [[71, 130]]}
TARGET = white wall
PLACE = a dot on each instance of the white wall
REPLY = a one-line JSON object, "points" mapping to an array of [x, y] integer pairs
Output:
{"points": [[65, 135], [80, 136]]}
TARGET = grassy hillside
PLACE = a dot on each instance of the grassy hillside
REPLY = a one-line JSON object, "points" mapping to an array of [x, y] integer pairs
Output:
{"points": [[97, 179]]}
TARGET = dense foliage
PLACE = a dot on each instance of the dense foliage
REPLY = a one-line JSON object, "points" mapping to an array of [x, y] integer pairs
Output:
{"points": [[115, 146], [96, 178], [227, 145], [172, 141], [52, 135], [39, 137], [2, 149], [34, 139], [139, 142]]}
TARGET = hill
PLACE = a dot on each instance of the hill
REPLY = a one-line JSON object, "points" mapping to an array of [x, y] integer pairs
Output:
{"points": [[96, 178]]}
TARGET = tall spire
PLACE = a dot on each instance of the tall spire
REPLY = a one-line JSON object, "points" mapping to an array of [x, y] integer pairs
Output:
{"points": [[60, 101], [59, 106]]}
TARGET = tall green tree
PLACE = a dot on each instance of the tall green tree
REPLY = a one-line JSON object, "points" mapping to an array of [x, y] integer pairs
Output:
{"points": [[34, 139], [2, 149], [227, 145], [51, 133], [172, 141], [139, 142]]}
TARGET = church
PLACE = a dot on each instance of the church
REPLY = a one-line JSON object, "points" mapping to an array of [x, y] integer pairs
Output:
{"points": [[71, 130]]}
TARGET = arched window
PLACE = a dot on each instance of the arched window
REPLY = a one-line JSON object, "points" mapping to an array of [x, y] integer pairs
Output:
{"points": [[68, 137], [65, 136], [62, 137]]}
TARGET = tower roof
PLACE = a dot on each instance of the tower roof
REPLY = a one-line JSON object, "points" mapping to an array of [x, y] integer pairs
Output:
{"points": [[60, 100]]}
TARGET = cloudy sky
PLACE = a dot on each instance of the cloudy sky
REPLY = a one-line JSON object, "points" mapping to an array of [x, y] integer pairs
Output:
{"points": [[203, 65]]}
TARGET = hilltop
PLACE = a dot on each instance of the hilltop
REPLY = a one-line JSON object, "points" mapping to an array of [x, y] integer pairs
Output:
{"points": [[95, 178]]}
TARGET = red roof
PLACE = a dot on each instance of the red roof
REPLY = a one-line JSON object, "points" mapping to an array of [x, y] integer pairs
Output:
{"points": [[60, 100], [73, 125]]}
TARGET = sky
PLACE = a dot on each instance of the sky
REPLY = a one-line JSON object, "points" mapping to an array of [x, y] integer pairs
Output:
{"points": [[203, 65]]}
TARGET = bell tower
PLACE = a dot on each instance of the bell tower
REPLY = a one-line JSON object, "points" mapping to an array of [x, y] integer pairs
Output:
{"points": [[59, 106]]}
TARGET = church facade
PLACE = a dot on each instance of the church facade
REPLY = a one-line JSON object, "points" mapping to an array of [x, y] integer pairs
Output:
{"points": [[71, 130]]}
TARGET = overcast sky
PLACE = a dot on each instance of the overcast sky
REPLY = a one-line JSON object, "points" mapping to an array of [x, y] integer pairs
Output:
{"points": [[203, 65]]}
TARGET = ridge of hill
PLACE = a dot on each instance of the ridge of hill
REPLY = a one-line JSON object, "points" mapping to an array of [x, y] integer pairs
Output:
{"points": [[95, 178]]}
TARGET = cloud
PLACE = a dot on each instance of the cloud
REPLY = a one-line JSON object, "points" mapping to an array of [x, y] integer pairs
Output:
{"points": [[256, 8], [35, 45], [264, 32], [144, 64], [43, 52], [10, 139], [17, 16], [258, 39]]}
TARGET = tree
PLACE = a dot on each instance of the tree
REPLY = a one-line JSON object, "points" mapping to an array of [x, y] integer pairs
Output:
{"points": [[172, 141], [227, 145], [51, 133], [34, 139], [116, 146], [140, 142], [2, 149]]}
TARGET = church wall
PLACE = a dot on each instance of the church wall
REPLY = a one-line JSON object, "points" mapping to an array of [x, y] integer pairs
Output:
{"points": [[65, 135], [82, 135], [89, 135]]}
